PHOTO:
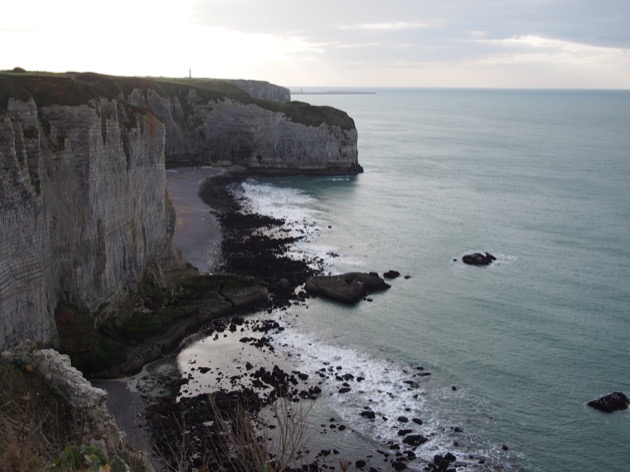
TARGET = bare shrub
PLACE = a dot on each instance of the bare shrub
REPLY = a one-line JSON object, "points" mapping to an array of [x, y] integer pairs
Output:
{"points": [[236, 439], [31, 434], [257, 445]]}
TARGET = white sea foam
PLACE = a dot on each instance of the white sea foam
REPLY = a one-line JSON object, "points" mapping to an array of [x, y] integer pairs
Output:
{"points": [[302, 220], [385, 388]]}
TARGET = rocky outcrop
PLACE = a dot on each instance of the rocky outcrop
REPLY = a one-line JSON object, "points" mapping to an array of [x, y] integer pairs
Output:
{"points": [[227, 131], [615, 401], [84, 214], [347, 288], [89, 422], [479, 259]]}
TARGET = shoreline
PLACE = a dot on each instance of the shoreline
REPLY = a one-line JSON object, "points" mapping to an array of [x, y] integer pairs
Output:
{"points": [[202, 204], [248, 370]]}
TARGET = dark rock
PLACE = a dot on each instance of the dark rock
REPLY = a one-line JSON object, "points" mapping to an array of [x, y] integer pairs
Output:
{"points": [[415, 440], [441, 463], [369, 414], [360, 464], [391, 274], [478, 259], [348, 288], [614, 401], [405, 432]]}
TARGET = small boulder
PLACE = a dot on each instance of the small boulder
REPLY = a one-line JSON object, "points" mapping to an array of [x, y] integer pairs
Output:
{"points": [[415, 440], [478, 259], [391, 274], [614, 401], [369, 414]]}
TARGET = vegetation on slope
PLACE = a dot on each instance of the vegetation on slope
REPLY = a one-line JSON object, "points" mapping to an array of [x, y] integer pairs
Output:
{"points": [[73, 88]]}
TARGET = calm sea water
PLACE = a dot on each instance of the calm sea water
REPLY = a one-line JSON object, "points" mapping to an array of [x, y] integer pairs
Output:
{"points": [[541, 179]]}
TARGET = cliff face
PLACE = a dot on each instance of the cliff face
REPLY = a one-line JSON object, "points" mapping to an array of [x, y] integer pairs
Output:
{"points": [[83, 210], [263, 90], [84, 214], [224, 131]]}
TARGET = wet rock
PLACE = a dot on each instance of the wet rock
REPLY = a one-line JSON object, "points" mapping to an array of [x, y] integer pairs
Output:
{"points": [[347, 288], [441, 463], [414, 440], [614, 401], [391, 274], [369, 414], [478, 259]]}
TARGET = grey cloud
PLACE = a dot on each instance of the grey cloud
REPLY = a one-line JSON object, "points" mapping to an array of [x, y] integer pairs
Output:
{"points": [[603, 23], [341, 26]]}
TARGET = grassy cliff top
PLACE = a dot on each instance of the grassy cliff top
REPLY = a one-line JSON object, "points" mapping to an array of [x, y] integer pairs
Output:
{"points": [[74, 88]]}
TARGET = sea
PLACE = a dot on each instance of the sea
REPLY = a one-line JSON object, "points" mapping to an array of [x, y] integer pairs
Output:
{"points": [[538, 178]]}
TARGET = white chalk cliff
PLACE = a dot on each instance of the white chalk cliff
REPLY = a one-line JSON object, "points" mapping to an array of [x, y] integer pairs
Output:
{"points": [[84, 212]]}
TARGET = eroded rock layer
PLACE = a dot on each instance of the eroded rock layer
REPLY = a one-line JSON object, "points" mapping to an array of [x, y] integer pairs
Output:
{"points": [[83, 209]]}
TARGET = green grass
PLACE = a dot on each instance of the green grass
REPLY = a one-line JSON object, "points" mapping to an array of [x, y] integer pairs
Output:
{"points": [[74, 89], [144, 325]]}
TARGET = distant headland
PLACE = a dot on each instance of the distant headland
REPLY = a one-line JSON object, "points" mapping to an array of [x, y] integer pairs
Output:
{"points": [[332, 92]]}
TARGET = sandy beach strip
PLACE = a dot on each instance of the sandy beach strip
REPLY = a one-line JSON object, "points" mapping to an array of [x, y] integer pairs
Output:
{"points": [[197, 232]]}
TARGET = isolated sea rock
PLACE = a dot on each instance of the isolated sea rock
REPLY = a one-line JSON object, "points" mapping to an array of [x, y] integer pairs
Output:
{"points": [[478, 259], [614, 401], [347, 288]]}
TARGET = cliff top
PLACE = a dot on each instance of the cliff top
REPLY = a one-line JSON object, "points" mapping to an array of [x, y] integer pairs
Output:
{"points": [[76, 88]]}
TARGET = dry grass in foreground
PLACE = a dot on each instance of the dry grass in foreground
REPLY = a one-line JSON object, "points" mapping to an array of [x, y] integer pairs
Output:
{"points": [[32, 422]]}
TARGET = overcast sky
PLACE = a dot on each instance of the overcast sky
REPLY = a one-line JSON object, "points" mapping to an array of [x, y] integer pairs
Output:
{"points": [[360, 43]]}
